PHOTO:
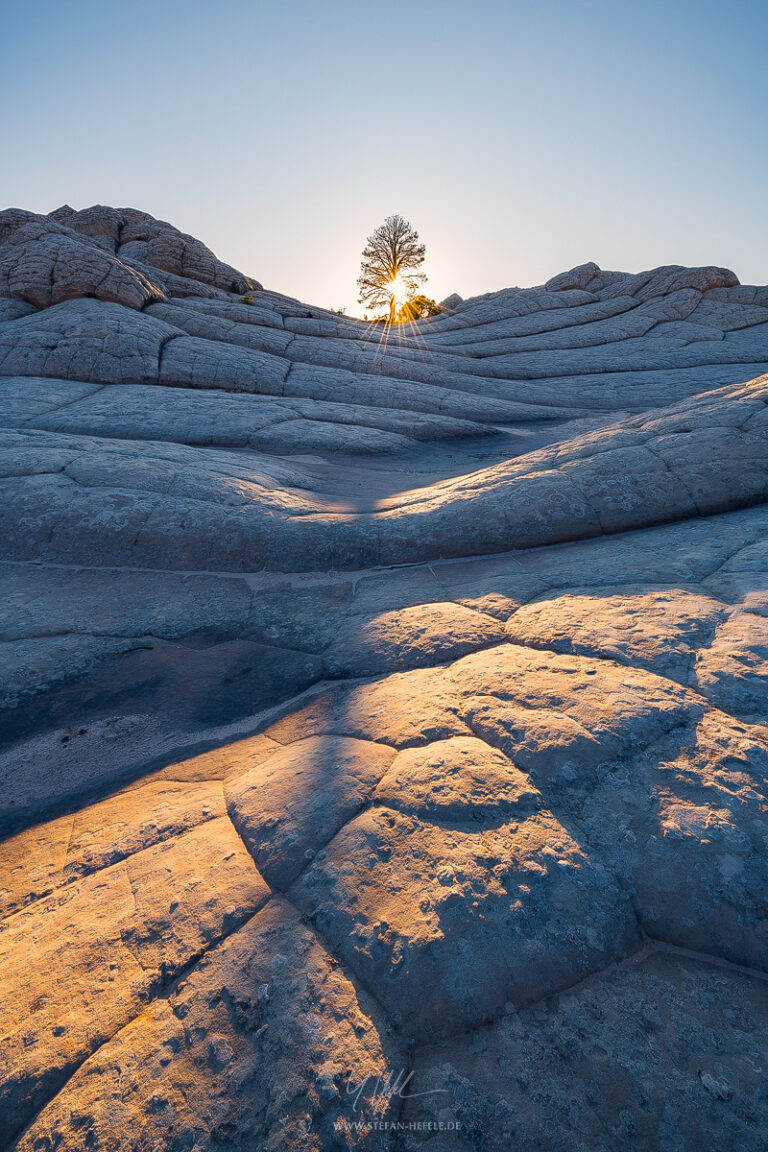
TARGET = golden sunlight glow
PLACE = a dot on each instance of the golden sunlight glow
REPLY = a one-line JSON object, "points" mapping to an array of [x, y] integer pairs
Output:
{"points": [[399, 289]]}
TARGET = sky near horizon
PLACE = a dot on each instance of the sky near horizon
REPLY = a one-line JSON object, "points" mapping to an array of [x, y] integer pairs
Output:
{"points": [[518, 137]]}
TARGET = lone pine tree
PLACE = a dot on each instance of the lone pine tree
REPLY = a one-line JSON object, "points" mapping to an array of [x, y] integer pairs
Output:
{"points": [[388, 272]]}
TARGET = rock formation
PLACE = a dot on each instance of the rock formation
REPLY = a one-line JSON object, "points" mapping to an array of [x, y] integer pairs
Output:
{"points": [[384, 716]]}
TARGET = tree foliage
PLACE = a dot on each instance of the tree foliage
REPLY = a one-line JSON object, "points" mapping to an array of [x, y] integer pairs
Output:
{"points": [[392, 252], [417, 308]]}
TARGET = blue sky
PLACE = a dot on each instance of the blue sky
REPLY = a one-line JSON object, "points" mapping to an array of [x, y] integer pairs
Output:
{"points": [[519, 138]]}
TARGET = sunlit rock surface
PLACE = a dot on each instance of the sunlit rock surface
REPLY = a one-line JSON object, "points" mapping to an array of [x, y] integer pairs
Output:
{"points": [[378, 703]]}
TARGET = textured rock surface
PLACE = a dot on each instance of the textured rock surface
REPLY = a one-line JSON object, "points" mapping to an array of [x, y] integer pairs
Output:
{"points": [[663, 1053], [45, 263], [374, 707], [256, 1048], [104, 945]]}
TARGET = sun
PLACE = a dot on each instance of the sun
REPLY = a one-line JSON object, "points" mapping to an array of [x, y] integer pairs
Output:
{"points": [[398, 289]]}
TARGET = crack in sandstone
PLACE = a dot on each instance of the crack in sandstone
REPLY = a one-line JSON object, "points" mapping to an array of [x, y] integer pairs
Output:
{"points": [[163, 991]]}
